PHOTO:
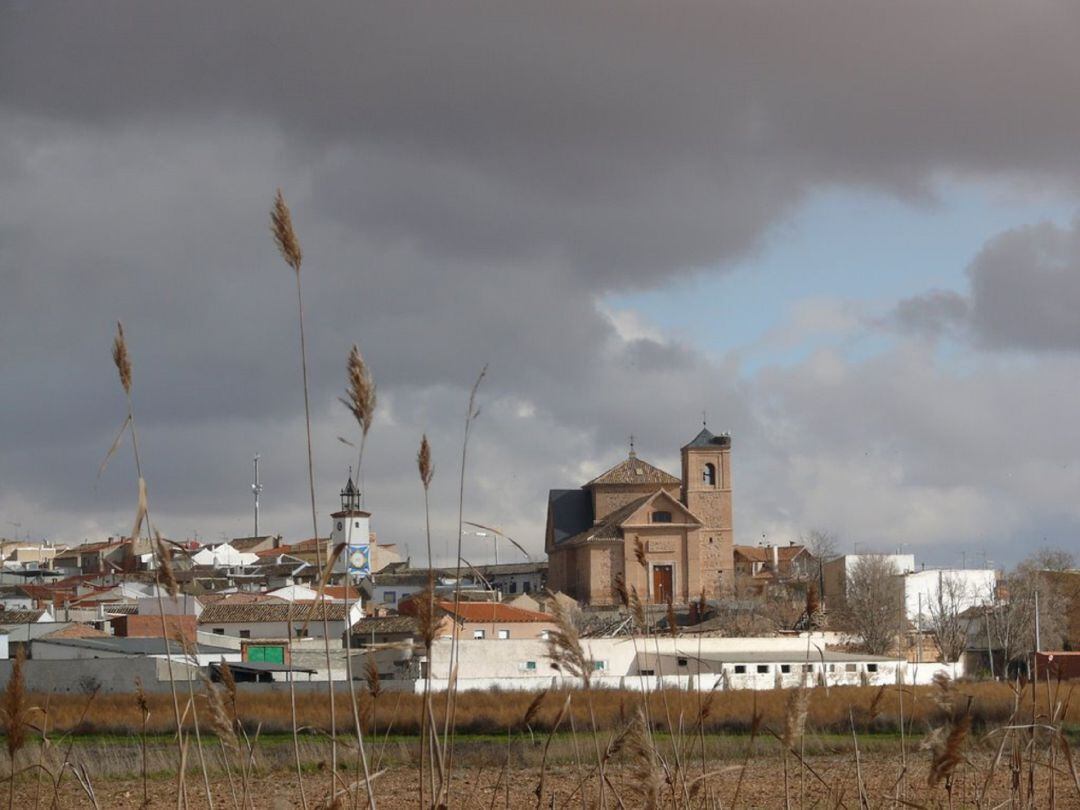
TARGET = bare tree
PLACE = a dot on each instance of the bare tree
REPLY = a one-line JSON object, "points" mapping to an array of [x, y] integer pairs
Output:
{"points": [[870, 602], [822, 546], [945, 609], [1010, 614]]}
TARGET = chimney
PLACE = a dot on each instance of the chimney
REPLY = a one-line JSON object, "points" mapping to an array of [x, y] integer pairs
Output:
{"points": [[776, 558]]}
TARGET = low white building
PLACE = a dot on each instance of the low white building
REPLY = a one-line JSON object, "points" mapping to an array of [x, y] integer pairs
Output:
{"points": [[646, 663]]}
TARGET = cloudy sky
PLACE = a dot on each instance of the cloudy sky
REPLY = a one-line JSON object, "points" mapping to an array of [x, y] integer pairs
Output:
{"points": [[845, 231]]}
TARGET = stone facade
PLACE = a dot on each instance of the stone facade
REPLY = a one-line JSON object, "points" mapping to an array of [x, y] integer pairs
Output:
{"points": [[682, 526]]}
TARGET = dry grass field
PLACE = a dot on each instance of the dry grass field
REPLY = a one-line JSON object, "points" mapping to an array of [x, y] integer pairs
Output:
{"points": [[841, 747]]}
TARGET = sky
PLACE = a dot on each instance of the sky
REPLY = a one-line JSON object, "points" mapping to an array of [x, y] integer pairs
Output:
{"points": [[845, 233]]}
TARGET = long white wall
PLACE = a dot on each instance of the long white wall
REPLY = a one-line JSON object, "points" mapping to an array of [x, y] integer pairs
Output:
{"points": [[526, 665]]}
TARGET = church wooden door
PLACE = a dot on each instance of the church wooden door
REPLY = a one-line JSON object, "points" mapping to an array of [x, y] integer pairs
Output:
{"points": [[662, 577]]}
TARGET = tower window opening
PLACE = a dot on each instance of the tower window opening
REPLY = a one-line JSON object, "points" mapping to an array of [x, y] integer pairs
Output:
{"points": [[708, 475], [661, 517]]}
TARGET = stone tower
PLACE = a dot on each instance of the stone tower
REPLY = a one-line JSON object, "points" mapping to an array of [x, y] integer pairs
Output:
{"points": [[706, 491]]}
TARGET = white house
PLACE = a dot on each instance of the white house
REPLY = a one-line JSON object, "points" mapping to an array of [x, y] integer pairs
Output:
{"points": [[959, 589], [272, 619]]}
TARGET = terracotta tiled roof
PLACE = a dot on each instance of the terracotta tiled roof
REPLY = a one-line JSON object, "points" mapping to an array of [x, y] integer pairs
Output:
{"points": [[244, 543], [385, 624], [491, 612], [19, 616], [77, 630], [634, 471], [223, 613], [238, 598]]}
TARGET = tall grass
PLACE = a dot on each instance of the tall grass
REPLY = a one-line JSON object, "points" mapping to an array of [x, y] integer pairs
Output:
{"points": [[288, 244]]}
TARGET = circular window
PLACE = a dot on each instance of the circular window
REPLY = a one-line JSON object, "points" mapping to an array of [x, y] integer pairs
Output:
{"points": [[339, 525]]}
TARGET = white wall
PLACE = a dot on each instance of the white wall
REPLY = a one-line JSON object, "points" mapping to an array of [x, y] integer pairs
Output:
{"points": [[525, 664], [921, 588]]}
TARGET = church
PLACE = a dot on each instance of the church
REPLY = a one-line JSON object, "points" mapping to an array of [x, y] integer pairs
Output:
{"points": [[684, 525]]}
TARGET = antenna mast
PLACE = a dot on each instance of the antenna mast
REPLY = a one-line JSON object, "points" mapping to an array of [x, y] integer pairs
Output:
{"points": [[256, 488]]}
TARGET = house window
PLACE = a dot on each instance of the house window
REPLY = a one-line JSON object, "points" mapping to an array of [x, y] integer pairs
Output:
{"points": [[299, 632], [356, 525], [851, 667], [245, 634], [661, 517], [785, 668], [599, 666], [219, 631], [527, 666], [477, 633], [504, 634], [871, 667], [513, 587], [708, 475], [340, 525], [683, 662], [389, 596], [648, 673], [807, 667], [762, 668], [526, 587], [740, 669]]}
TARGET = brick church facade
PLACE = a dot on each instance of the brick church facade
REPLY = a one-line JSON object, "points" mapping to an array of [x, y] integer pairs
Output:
{"points": [[684, 524]]}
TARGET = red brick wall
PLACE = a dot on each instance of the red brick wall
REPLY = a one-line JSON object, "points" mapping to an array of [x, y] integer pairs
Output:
{"points": [[150, 626]]}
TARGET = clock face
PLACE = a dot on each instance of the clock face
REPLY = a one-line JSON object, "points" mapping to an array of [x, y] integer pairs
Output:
{"points": [[358, 558]]}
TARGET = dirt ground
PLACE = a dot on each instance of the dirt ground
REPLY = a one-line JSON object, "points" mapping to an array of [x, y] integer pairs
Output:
{"points": [[762, 786]]}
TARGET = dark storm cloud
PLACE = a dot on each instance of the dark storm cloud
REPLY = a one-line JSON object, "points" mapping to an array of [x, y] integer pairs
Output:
{"points": [[1025, 289], [631, 138], [467, 180], [1024, 294], [934, 314]]}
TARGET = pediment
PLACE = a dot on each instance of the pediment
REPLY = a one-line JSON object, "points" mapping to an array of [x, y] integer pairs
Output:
{"points": [[661, 501]]}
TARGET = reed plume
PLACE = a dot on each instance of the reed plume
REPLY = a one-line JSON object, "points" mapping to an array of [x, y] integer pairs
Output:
{"points": [[281, 227], [16, 715], [121, 358], [371, 677], [637, 609], [423, 462], [533, 708], [229, 682], [220, 720], [645, 779], [163, 558], [360, 391], [639, 552], [564, 644], [618, 590], [951, 753]]}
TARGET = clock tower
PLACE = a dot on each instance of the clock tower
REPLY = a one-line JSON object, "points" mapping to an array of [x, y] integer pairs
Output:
{"points": [[351, 527]]}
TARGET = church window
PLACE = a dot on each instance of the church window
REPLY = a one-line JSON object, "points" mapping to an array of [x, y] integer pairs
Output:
{"points": [[339, 525], [708, 475], [661, 517]]}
